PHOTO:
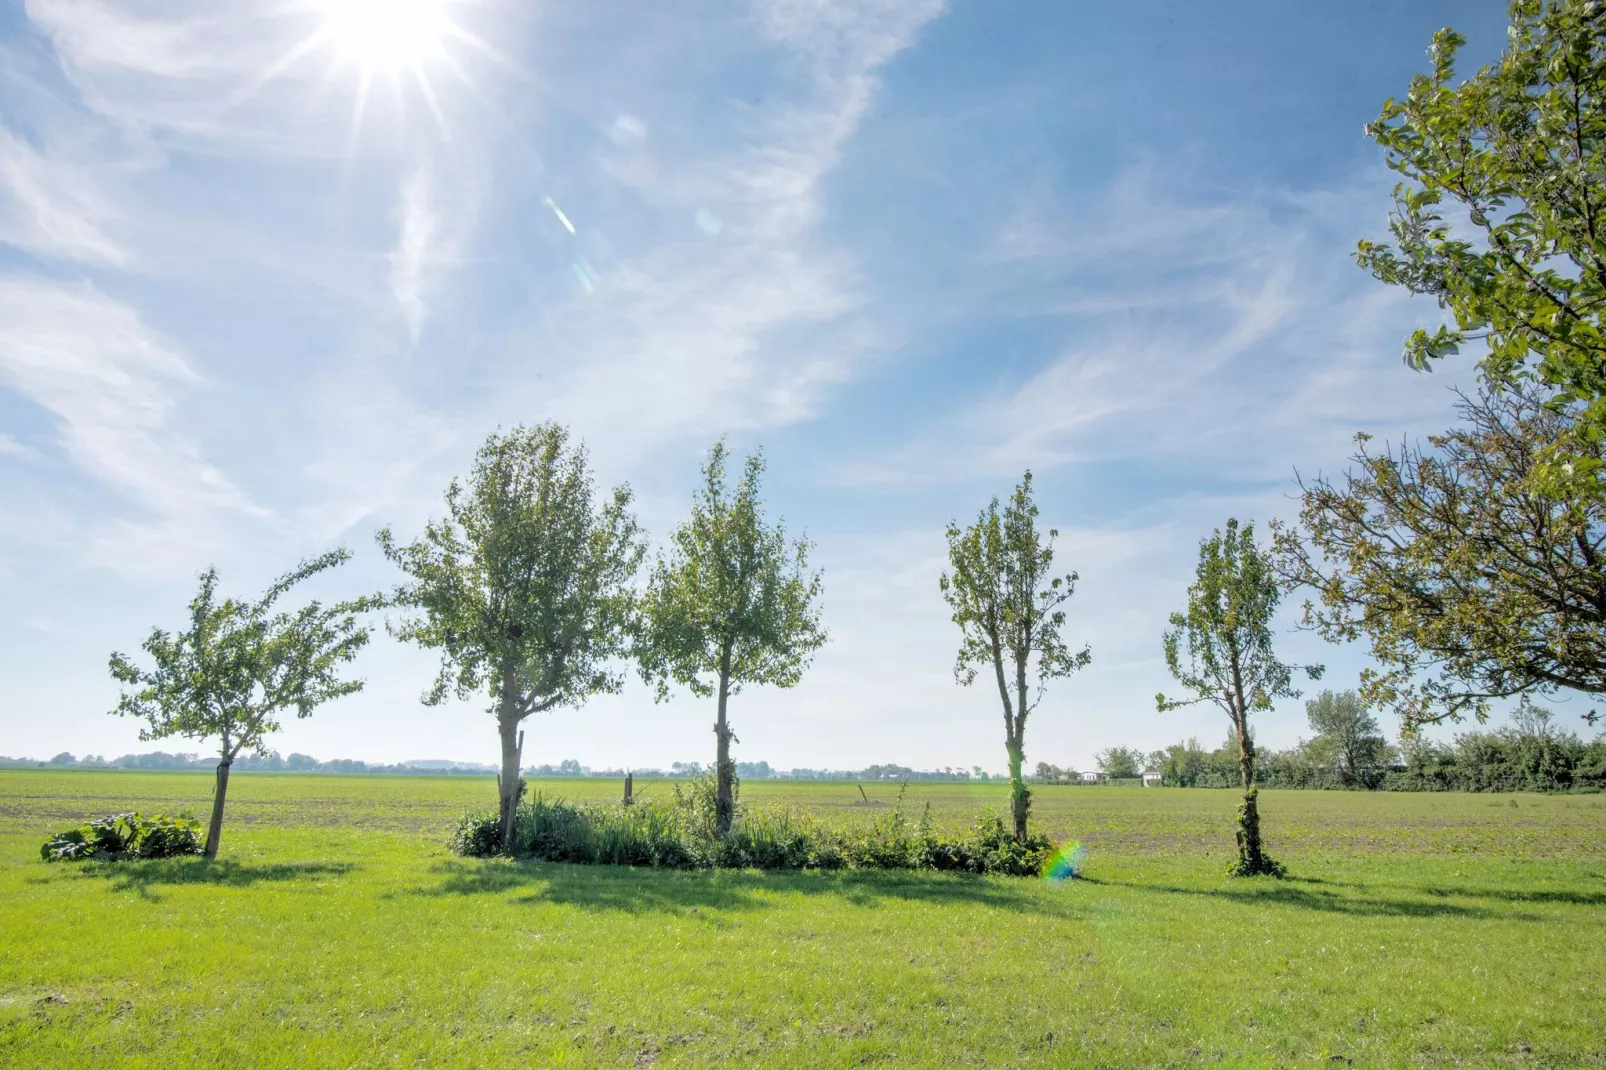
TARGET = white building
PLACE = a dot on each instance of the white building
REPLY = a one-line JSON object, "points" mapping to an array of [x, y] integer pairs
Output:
{"points": [[1090, 778], [1151, 778]]}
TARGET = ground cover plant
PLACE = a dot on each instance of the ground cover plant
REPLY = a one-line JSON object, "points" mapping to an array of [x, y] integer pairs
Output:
{"points": [[686, 832], [130, 835], [336, 927]]}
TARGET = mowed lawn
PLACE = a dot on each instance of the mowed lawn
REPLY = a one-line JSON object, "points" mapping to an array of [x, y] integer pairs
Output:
{"points": [[336, 930]]}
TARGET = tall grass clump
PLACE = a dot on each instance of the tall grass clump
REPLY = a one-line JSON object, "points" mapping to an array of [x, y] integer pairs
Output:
{"points": [[681, 833]]}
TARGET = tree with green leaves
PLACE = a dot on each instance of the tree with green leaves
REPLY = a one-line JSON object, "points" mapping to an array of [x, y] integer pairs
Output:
{"points": [[731, 603], [1467, 585], [1007, 603], [1120, 763], [1501, 215], [1221, 650], [524, 587], [1347, 735], [238, 666]]}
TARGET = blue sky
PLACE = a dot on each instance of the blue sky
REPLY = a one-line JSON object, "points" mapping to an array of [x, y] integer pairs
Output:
{"points": [[249, 311]]}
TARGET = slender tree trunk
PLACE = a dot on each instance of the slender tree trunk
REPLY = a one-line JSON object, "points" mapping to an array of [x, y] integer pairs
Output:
{"points": [[507, 724], [508, 782], [1251, 860], [214, 831], [724, 768], [1020, 796], [1251, 857]]}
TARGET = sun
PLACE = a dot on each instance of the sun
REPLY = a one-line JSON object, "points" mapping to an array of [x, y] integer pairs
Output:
{"points": [[386, 35], [399, 43]]}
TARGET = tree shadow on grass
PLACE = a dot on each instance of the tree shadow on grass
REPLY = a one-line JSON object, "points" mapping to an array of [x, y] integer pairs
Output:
{"points": [[1288, 893], [1505, 895], [645, 890], [143, 876]]}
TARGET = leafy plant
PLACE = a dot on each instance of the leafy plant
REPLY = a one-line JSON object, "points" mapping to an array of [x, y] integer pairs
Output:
{"points": [[125, 835], [681, 833]]}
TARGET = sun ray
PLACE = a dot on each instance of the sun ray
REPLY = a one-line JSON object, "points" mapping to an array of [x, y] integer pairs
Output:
{"points": [[429, 99]]}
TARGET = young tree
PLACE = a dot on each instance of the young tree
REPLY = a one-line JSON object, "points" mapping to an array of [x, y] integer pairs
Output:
{"points": [[1518, 153], [731, 604], [238, 666], [1468, 586], [1120, 763], [524, 587], [1221, 650], [1007, 605], [1348, 735]]}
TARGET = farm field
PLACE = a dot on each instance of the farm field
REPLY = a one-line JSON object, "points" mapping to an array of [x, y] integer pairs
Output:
{"points": [[335, 929]]}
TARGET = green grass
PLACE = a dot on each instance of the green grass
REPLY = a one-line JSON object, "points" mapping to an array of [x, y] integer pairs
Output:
{"points": [[336, 930]]}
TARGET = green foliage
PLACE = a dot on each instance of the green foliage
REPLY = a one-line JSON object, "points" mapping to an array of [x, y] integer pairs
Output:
{"points": [[681, 833], [1348, 738], [240, 665], [1006, 601], [125, 835], [731, 598], [525, 586], [1531, 754], [1120, 763], [732, 603], [1467, 585], [1518, 151], [1221, 648]]}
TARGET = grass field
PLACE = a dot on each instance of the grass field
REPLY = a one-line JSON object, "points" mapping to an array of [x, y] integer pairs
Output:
{"points": [[336, 930]]}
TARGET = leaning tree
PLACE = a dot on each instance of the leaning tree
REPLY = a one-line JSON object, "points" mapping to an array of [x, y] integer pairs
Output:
{"points": [[1006, 601], [1468, 586], [238, 666], [731, 603], [1221, 650], [524, 587], [1501, 213]]}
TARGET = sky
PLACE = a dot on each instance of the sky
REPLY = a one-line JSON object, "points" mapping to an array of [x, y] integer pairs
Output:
{"points": [[271, 271]]}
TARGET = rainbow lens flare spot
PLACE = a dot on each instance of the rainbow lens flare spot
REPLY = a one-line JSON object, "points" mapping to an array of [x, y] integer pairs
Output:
{"points": [[1066, 863]]}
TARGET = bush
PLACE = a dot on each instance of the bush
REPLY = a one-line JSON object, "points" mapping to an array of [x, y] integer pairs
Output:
{"points": [[678, 834], [128, 835]]}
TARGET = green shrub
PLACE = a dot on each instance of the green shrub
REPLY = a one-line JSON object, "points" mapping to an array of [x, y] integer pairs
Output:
{"points": [[679, 834], [125, 835]]}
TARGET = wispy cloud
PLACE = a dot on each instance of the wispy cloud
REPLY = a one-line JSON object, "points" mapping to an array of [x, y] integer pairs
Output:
{"points": [[1234, 331], [111, 383], [410, 261], [748, 317], [53, 208]]}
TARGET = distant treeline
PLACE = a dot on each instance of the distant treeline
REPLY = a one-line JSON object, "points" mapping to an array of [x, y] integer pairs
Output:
{"points": [[304, 763], [1531, 754]]}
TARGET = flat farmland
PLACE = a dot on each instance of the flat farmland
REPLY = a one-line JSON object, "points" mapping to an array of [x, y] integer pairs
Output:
{"points": [[335, 929]]}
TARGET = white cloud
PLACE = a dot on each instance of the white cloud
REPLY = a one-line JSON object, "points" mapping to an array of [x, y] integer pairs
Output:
{"points": [[1240, 332], [417, 225], [112, 384], [749, 322], [53, 208]]}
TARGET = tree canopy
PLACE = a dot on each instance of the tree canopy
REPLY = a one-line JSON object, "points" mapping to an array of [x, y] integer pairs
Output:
{"points": [[1220, 649], [1007, 603], [731, 603], [239, 666], [1501, 215], [1468, 586], [524, 587]]}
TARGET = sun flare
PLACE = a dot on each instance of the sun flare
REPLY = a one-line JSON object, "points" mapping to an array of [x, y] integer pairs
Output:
{"points": [[386, 34]]}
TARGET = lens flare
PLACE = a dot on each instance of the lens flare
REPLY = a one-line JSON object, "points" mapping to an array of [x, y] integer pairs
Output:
{"points": [[1066, 863]]}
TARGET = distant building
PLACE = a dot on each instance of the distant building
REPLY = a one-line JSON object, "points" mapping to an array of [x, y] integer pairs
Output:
{"points": [[1090, 778], [1152, 778]]}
